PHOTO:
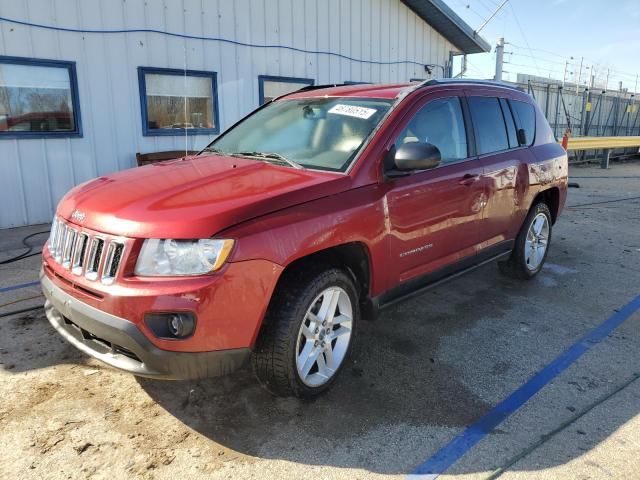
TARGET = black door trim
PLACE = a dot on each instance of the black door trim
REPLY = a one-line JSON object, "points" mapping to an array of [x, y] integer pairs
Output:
{"points": [[423, 283]]}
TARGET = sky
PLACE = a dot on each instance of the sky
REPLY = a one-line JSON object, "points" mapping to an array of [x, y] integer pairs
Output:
{"points": [[542, 35]]}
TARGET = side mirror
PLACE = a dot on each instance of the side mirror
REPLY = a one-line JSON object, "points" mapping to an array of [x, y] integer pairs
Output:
{"points": [[416, 156], [522, 137]]}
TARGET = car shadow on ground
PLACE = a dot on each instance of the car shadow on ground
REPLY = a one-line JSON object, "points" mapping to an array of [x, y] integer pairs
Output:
{"points": [[395, 401], [391, 392], [29, 342]]}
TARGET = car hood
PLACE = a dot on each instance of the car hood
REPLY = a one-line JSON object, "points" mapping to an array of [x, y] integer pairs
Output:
{"points": [[193, 197]]}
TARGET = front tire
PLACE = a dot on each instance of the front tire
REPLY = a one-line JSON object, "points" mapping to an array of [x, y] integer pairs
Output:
{"points": [[532, 245], [307, 334]]}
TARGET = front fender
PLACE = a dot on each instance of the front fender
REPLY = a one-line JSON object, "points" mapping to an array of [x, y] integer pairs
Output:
{"points": [[296, 232]]}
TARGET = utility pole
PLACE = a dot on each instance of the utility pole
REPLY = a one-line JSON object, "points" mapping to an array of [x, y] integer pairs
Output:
{"points": [[566, 67], [579, 75], [499, 59]]}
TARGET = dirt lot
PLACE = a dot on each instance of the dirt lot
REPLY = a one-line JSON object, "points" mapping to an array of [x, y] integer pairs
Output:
{"points": [[418, 376]]}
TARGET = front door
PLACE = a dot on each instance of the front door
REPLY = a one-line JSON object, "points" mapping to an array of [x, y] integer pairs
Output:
{"points": [[434, 214]]}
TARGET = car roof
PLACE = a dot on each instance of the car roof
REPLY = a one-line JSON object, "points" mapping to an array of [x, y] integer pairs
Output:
{"points": [[393, 90], [361, 90]]}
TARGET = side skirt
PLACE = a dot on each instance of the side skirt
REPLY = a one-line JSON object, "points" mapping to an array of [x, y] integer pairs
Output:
{"points": [[426, 282]]}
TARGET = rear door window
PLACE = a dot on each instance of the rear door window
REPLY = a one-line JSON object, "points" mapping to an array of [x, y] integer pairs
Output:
{"points": [[489, 125], [525, 117]]}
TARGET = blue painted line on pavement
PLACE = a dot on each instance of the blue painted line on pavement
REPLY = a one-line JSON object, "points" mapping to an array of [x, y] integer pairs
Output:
{"points": [[461, 444], [18, 287]]}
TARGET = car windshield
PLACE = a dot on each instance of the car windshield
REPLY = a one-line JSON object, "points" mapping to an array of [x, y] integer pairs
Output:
{"points": [[317, 133]]}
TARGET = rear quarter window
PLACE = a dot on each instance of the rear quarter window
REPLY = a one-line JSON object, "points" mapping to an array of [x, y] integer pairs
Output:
{"points": [[525, 117]]}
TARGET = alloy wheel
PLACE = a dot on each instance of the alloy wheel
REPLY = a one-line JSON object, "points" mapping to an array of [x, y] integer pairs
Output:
{"points": [[537, 241], [324, 336]]}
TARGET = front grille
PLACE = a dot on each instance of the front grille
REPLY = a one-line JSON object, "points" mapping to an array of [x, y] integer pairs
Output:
{"points": [[85, 253]]}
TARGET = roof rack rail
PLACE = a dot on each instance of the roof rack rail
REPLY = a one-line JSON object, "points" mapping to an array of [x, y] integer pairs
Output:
{"points": [[453, 81], [309, 88], [318, 87]]}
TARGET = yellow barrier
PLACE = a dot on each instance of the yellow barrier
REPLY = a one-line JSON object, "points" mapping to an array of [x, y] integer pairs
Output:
{"points": [[602, 143]]}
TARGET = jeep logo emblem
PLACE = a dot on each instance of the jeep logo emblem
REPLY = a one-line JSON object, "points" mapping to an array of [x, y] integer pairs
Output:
{"points": [[78, 216]]}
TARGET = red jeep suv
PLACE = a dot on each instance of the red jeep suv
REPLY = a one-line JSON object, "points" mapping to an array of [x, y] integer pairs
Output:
{"points": [[315, 211]]}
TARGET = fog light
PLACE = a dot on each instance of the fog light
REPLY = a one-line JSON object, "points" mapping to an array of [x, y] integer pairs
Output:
{"points": [[171, 325], [177, 327]]}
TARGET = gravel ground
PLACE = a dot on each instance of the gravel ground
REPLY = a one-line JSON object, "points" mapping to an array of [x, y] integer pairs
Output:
{"points": [[418, 376]]}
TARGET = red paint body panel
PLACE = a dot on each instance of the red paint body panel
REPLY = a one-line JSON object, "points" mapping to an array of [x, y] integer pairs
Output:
{"points": [[194, 197], [410, 226], [229, 305]]}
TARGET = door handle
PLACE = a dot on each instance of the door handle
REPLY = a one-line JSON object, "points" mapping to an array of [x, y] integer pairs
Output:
{"points": [[469, 179]]}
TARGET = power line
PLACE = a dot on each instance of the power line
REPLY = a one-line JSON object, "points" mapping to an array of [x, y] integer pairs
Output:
{"points": [[515, 17], [537, 58], [540, 50], [472, 10]]}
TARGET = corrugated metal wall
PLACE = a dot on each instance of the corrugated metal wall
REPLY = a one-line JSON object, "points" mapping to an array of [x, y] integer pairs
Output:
{"points": [[36, 173]]}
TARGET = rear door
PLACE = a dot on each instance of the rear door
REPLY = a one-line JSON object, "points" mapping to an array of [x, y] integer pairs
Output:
{"points": [[434, 214], [503, 162]]}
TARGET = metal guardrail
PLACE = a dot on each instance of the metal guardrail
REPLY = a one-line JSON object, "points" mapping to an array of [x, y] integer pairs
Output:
{"points": [[606, 144], [602, 143]]}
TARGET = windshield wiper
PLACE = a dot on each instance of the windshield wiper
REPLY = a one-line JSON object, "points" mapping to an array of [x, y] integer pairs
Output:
{"points": [[269, 156], [214, 150]]}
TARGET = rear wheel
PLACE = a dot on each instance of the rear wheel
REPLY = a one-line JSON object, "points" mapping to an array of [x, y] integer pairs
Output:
{"points": [[532, 245], [308, 333]]}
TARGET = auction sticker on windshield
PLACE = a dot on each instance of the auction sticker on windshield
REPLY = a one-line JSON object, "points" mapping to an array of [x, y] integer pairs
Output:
{"points": [[353, 111]]}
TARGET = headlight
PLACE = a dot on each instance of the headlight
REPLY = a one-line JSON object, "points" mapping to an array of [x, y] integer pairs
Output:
{"points": [[182, 257]]}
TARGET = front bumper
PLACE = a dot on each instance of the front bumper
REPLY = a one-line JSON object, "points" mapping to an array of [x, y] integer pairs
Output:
{"points": [[120, 343]]}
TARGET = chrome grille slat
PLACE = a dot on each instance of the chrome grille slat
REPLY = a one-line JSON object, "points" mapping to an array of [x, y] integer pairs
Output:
{"points": [[62, 233], [52, 237], [112, 261], [79, 253], [84, 253], [69, 242], [94, 258]]}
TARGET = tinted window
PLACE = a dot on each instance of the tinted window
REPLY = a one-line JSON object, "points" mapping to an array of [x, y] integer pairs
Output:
{"points": [[488, 121], [439, 122], [525, 117], [511, 127]]}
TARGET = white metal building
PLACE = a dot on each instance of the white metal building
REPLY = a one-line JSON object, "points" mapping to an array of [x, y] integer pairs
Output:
{"points": [[85, 84]]}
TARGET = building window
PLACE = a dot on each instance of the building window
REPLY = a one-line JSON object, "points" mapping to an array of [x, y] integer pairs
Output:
{"points": [[175, 102], [38, 98], [272, 87]]}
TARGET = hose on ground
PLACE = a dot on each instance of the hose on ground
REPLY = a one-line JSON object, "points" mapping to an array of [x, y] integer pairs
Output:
{"points": [[604, 201], [20, 300], [22, 310], [28, 253]]}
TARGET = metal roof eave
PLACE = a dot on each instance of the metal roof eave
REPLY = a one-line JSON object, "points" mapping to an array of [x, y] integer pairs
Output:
{"points": [[446, 22]]}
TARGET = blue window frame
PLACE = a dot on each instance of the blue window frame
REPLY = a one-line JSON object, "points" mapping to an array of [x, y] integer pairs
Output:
{"points": [[38, 98], [175, 102], [270, 87]]}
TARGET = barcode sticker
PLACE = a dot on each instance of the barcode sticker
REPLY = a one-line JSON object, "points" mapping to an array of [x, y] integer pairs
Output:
{"points": [[353, 111]]}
